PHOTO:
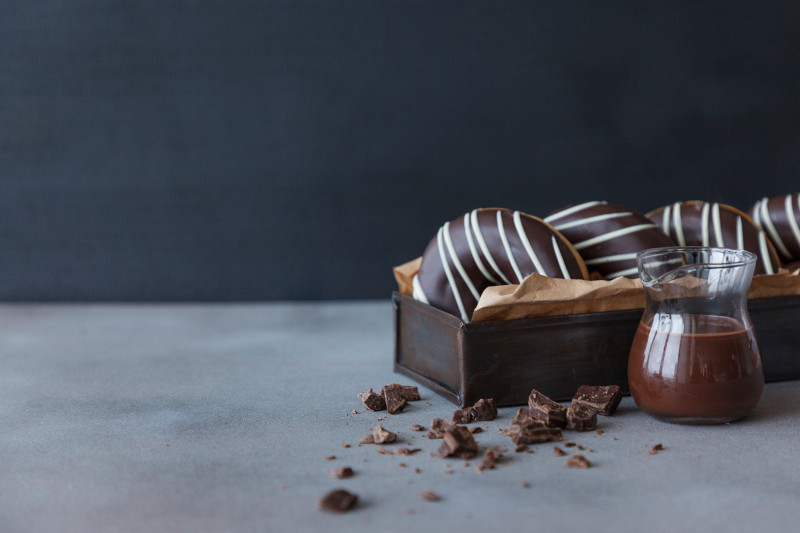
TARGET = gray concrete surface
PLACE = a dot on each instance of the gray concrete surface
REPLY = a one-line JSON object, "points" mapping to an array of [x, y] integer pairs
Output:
{"points": [[220, 418]]}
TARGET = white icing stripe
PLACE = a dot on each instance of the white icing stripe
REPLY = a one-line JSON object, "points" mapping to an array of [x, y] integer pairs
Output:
{"points": [[676, 221], [590, 220], [792, 220], [417, 291], [717, 225], [527, 244], [773, 233], [762, 245], [665, 220], [476, 229], [611, 259], [612, 235], [757, 212], [573, 209], [704, 224], [449, 276], [621, 273], [448, 240], [504, 239], [560, 258], [739, 234], [475, 256]]}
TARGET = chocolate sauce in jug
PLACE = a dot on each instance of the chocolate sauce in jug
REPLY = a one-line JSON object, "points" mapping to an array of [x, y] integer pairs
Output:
{"points": [[695, 368]]}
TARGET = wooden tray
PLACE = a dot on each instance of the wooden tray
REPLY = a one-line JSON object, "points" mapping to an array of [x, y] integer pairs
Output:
{"points": [[504, 360]]}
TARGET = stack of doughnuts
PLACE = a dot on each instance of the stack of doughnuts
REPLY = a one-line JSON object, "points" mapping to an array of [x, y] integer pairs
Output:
{"points": [[496, 246], [490, 247]]}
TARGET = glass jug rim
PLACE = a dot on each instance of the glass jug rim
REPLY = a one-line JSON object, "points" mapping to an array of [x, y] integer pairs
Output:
{"points": [[745, 257]]}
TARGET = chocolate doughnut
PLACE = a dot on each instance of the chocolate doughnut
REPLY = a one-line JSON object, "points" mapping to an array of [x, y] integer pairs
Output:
{"points": [[608, 236], [490, 247], [779, 217], [698, 223]]}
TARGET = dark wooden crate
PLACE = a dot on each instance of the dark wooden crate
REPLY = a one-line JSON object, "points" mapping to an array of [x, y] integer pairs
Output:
{"points": [[505, 359]]}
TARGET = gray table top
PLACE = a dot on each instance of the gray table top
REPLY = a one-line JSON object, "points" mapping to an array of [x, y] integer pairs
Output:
{"points": [[220, 417]]}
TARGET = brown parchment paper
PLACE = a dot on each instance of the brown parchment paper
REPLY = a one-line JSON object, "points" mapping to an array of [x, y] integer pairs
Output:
{"points": [[539, 296]]}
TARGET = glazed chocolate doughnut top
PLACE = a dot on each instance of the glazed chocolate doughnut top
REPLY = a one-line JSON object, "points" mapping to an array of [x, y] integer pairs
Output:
{"points": [[698, 223], [779, 217], [608, 236], [490, 247]]}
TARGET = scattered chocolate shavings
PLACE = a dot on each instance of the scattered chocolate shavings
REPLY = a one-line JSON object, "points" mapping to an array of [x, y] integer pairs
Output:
{"points": [[578, 461], [581, 417], [429, 496], [330, 458], [657, 448], [372, 401], [416, 427], [458, 442], [406, 451], [548, 411], [603, 398], [491, 457], [338, 501], [342, 473], [558, 452]]}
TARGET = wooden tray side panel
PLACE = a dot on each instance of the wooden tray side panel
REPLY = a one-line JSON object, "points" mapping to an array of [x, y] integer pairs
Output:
{"points": [[776, 322]]}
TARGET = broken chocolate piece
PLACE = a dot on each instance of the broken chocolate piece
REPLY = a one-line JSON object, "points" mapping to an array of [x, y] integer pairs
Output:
{"points": [[338, 501], [395, 401], [409, 392], [490, 458], [458, 442], [603, 398], [382, 436], [476, 429], [548, 411], [581, 417], [463, 416], [558, 452], [657, 448], [343, 472], [523, 413], [372, 401], [484, 409], [416, 427], [429, 496], [578, 461], [532, 432]]}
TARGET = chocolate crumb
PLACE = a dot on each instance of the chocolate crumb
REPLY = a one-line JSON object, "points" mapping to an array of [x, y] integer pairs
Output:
{"points": [[407, 451], [558, 452], [600, 431], [463, 416], [380, 418], [345, 445], [342, 473], [416, 427], [569, 444], [526, 485], [613, 438], [578, 461], [417, 470], [491, 457], [581, 448], [429, 496], [439, 427], [384, 451], [354, 412], [401, 465], [383, 436], [330, 458], [657, 448], [459, 442], [338, 501], [522, 448]]}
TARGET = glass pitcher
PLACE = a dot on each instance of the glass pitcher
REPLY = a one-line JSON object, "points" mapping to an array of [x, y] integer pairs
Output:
{"points": [[694, 359]]}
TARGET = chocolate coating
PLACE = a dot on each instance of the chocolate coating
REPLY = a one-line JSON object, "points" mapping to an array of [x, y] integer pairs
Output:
{"points": [[711, 224], [608, 236], [490, 247], [779, 217]]}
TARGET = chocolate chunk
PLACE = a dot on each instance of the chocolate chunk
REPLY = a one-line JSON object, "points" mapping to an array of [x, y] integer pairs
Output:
{"points": [[490, 458], [438, 428], [409, 392], [603, 398], [463, 416], [416, 427], [367, 439], [558, 452], [382, 436], [484, 409], [458, 442], [578, 461], [341, 473], [543, 408], [657, 448], [532, 432], [523, 413], [338, 501], [395, 401], [581, 417], [429, 496], [372, 401]]}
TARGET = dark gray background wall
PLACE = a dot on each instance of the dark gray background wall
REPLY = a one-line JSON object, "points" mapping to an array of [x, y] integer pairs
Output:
{"points": [[223, 150]]}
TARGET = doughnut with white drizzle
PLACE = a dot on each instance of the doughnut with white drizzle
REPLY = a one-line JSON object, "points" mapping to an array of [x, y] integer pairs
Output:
{"points": [[490, 246], [697, 223], [608, 236], [779, 217]]}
